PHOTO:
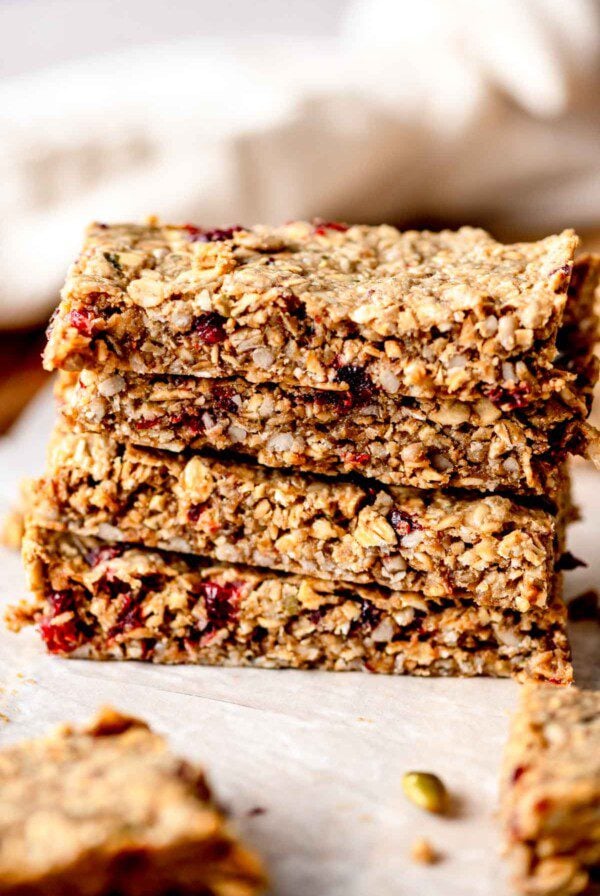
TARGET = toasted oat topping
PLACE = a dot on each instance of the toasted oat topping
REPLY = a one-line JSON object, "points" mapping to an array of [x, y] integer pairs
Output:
{"points": [[319, 305]]}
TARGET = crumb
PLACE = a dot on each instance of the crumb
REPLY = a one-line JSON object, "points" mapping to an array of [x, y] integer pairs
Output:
{"points": [[4, 717], [11, 533], [584, 606], [257, 810], [423, 852], [363, 719]]}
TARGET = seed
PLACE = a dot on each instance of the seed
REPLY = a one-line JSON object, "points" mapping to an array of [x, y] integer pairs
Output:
{"points": [[426, 791]]}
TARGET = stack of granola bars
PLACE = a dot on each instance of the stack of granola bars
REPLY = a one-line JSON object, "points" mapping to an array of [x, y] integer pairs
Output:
{"points": [[314, 446]]}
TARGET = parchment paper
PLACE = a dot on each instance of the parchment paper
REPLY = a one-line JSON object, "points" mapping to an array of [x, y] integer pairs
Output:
{"points": [[322, 754]]}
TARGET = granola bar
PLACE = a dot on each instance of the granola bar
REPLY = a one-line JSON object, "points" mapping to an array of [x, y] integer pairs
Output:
{"points": [[551, 791], [429, 541], [106, 809], [102, 601], [425, 444], [415, 313]]}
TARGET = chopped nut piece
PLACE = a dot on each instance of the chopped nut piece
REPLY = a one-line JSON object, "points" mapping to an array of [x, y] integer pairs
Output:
{"points": [[426, 790]]}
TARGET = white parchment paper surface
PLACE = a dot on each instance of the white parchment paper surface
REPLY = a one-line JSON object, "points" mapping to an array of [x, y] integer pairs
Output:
{"points": [[322, 754]]}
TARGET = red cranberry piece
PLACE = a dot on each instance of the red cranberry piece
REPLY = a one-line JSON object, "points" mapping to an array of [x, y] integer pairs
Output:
{"points": [[520, 770], [358, 459], [61, 602], [129, 616], [512, 399], [195, 512], [82, 320], [359, 382], [209, 328], [221, 602], [321, 227], [224, 398], [341, 402], [188, 420], [370, 615], [60, 638], [105, 552], [216, 235], [403, 523], [149, 423]]}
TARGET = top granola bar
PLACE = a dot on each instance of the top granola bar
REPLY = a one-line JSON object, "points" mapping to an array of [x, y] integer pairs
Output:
{"points": [[322, 305]]}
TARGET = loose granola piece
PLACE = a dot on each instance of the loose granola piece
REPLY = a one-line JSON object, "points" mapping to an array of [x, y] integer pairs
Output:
{"points": [[107, 809], [102, 601], [550, 794], [422, 852], [11, 534], [349, 308], [501, 551]]}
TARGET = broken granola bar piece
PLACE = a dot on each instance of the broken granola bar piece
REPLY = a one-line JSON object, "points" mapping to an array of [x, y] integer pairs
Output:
{"points": [[107, 809], [551, 791]]}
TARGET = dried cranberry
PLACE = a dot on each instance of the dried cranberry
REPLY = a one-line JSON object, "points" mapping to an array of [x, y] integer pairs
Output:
{"points": [[60, 638], [82, 320], [402, 522], [361, 458], [341, 402], [221, 601], [359, 382], [321, 227], [103, 553], [209, 328], [61, 602], [520, 770], [195, 512], [512, 399], [370, 615], [225, 398], [129, 616], [216, 235], [149, 423], [189, 420]]}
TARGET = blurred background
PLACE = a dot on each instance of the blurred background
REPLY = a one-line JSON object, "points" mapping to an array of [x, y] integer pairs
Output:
{"points": [[429, 113]]}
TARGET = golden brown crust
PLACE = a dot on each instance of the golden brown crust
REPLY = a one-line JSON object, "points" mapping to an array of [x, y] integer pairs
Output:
{"points": [[419, 313]]}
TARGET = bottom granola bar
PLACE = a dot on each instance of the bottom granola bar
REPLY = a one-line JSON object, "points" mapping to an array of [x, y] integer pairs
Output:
{"points": [[107, 809], [120, 602], [551, 791]]}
